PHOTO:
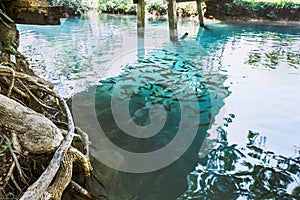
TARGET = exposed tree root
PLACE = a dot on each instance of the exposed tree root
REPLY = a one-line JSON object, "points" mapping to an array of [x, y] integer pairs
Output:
{"points": [[64, 175], [36, 159], [39, 95], [16, 162], [76, 187]]}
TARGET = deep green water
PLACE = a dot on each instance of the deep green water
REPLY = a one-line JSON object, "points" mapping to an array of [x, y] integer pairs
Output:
{"points": [[232, 89]]}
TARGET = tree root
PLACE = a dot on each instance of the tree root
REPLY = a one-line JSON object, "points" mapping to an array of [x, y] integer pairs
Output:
{"points": [[36, 190], [83, 192], [64, 175], [42, 88], [57, 176], [16, 162]]}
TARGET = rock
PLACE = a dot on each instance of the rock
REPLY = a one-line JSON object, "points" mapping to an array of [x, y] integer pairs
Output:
{"points": [[36, 133]]}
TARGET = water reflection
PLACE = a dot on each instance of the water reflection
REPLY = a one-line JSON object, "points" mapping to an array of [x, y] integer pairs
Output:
{"points": [[274, 50], [76, 55], [230, 171]]}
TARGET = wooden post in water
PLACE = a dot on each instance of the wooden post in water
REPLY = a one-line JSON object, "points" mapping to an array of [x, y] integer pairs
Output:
{"points": [[141, 14], [172, 20], [200, 13], [141, 27]]}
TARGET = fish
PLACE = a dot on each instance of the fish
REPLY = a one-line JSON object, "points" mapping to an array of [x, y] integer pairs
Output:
{"points": [[148, 77], [128, 78], [206, 124], [212, 83], [126, 86]]}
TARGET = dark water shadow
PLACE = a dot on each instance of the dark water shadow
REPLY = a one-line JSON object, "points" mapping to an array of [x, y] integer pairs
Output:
{"points": [[160, 78]]}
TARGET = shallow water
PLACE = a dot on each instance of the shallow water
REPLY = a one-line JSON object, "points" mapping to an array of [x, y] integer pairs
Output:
{"points": [[249, 71]]}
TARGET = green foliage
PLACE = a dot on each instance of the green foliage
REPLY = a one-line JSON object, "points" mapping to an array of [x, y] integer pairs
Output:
{"points": [[7, 47], [155, 6], [75, 7], [117, 6], [261, 9], [187, 9], [5, 43], [6, 147], [256, 5]]}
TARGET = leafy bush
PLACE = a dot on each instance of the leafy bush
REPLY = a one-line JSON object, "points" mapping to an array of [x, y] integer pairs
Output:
{"points": [[75, 7], [117, 6], [261, 4], [187, 9], [283, 9], [155, 6]]}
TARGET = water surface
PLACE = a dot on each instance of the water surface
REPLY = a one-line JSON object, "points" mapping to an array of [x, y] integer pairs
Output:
{"points": [[245, 73]]}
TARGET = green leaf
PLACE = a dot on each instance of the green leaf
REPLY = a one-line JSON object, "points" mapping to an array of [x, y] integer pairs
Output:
{"points": [[6, 147]]}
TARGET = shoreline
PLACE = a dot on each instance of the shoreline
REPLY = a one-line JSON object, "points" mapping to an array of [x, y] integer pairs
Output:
{"points": [[232, 19], [254, 21]]}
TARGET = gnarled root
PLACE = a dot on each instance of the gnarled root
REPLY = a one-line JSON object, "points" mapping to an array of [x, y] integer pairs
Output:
{"points": [[64, 175], [25, 88]]}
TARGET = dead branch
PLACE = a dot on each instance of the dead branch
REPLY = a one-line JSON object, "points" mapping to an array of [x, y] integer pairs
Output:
{"points": [[85, 141], [62, 180]]}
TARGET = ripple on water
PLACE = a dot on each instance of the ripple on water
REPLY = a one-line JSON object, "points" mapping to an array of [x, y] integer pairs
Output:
{"points": [[253, 67]]}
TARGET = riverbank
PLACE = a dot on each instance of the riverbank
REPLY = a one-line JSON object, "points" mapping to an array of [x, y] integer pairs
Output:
{"points": [[36, 159], [251, 10], [97, 46], [229, 10]]}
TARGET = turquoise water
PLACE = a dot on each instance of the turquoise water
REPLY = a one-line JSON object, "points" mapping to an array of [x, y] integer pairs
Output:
{"points": [[231, 89]]}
